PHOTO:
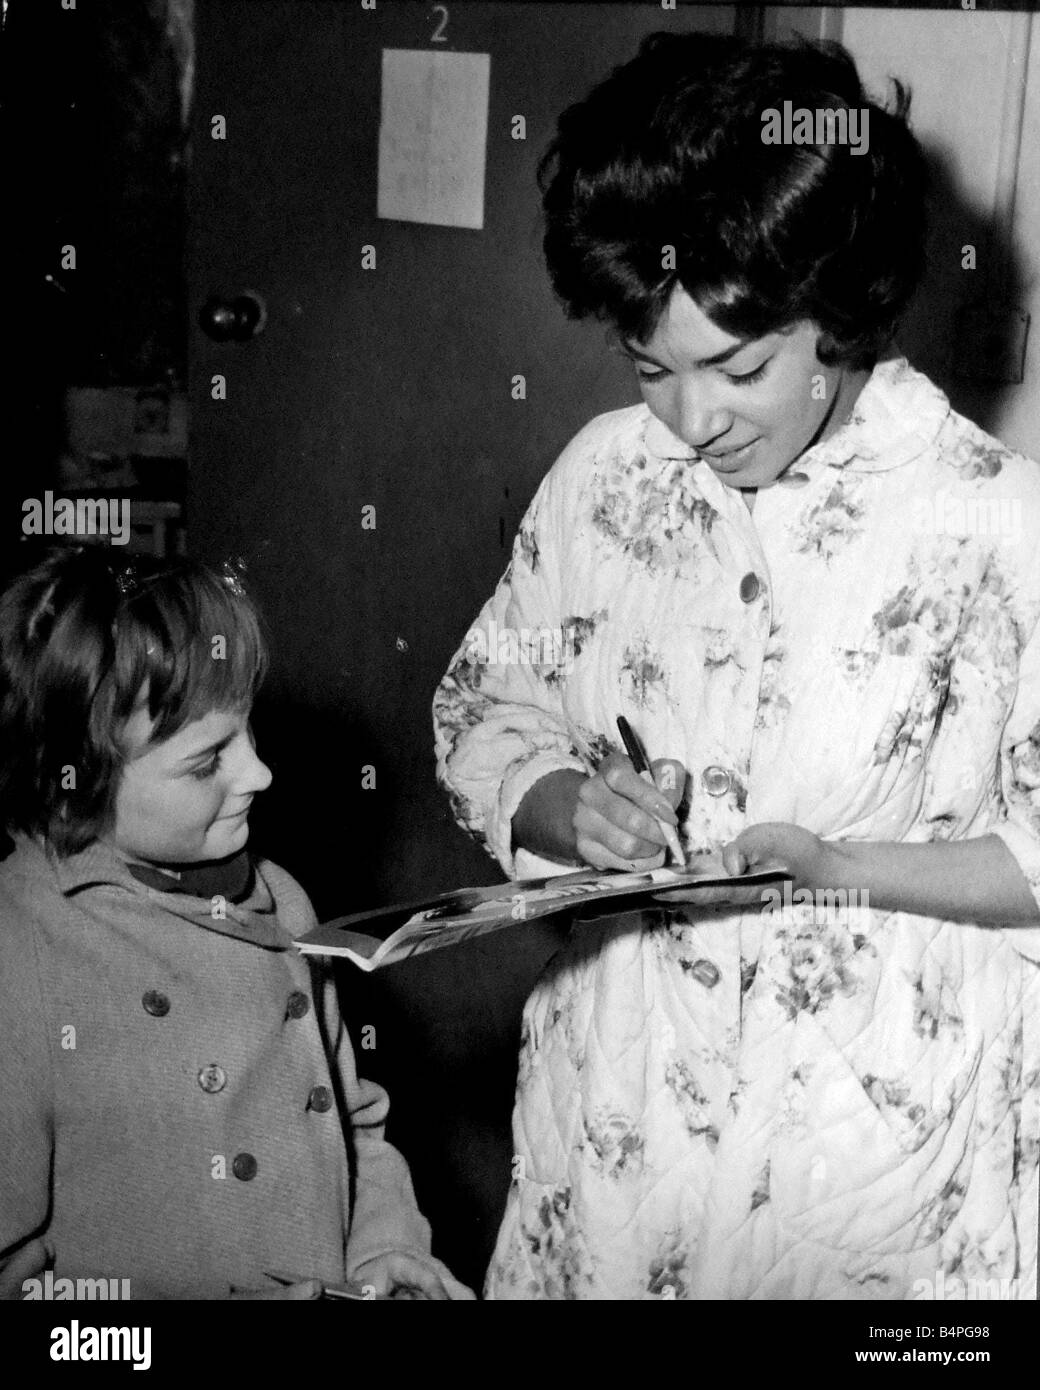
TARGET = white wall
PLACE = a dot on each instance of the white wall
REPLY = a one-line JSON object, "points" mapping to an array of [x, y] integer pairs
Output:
{"points": [[958, 64]]}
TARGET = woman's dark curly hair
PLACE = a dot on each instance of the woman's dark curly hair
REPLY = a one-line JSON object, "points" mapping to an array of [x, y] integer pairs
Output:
{"points": [[81, 637], [668, 152]]}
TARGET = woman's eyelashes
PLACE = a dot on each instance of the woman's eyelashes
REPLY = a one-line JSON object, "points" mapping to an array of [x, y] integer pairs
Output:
{"points": [[746, 378], [207, 770], [742, 378]]}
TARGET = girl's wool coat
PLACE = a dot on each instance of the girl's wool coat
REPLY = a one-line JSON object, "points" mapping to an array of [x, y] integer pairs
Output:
{"points": [[173, 1090]]}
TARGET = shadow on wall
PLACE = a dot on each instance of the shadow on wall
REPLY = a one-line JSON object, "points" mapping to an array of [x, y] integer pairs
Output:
{"points": [[929, 335], [444, 1040], [308, 820], [354, 848], [442, 1033]]}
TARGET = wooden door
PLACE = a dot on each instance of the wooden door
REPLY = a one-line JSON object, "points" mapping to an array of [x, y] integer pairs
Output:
{"points": [[388, 388]]}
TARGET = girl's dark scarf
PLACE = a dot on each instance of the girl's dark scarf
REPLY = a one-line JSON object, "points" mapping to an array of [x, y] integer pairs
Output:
{"points": [[230, 878]]}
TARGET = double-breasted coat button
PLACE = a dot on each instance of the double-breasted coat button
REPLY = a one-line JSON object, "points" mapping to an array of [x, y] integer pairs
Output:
{"points": [[244, 1167], [716, 780], [156, 1003], [320, 1099], [750, 588], [212, 1079], [705, 972], [298, 1004]]}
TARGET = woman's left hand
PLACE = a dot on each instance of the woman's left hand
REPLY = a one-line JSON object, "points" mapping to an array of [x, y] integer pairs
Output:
{"points": [[800, 852], [406, 1276], [770, 845]]}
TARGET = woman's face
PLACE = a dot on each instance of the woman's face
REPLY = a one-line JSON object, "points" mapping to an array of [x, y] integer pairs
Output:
{"points": [[187, 799], [751, 406]]}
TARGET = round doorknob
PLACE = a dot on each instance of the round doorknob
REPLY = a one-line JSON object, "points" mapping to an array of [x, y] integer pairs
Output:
{"points": [[233, 320]]}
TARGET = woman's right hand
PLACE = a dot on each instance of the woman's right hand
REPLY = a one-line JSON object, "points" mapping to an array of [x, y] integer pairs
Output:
{"points": [[609, 821], [617, 818]]}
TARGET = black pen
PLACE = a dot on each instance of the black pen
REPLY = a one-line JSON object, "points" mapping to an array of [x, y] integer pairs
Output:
{"points": [[641, 763]]}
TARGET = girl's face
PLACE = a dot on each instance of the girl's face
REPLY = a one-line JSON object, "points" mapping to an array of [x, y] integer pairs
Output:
{"points": [[749, 407], [187, 799]]}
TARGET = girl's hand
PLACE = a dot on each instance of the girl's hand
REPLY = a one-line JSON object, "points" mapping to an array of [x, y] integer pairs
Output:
{"points": [[406, 1276], [309, 1288], [616, 817]]}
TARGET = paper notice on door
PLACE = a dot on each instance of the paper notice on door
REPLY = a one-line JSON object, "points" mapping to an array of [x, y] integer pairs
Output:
{"points": [[433, 137]]}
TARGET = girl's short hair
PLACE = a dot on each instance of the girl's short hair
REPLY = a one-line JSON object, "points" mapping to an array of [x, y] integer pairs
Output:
{"points": [[80, 635], [668, 152]]}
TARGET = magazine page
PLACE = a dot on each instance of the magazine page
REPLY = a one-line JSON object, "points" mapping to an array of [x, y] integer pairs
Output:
{"points": [[467, 913]]}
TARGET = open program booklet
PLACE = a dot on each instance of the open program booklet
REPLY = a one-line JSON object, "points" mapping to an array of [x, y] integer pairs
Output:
{"points": [[465, 913]]}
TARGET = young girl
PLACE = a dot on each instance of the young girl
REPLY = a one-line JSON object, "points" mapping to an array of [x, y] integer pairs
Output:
{"points": [[178, 1098]]}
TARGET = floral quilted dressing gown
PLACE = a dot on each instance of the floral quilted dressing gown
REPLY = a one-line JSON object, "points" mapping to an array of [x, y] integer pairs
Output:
{"points": [[813, 1102]]}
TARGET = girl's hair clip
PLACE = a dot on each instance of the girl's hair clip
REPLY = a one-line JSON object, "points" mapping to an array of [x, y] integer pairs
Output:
{"points": [[231, 574], [126, 579]]}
